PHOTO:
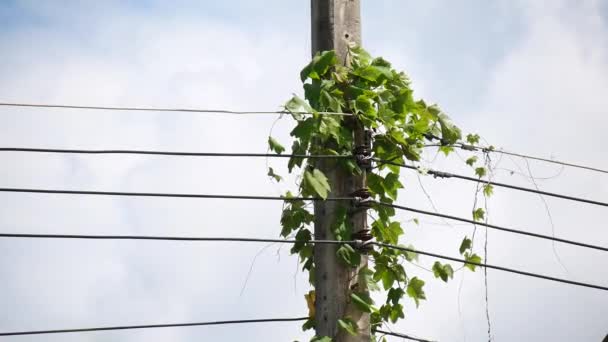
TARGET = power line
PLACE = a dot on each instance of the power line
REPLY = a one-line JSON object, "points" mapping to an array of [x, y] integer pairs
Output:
{"points": [[172, 195], [169, 153], [149, 326], [279, 198], [400, 335], [490, 149], [435, 173], [181, 325], [492, 226], [442, 174], [500, 268], [153, 109], [161, 238], [550, 161], [356, 244]]}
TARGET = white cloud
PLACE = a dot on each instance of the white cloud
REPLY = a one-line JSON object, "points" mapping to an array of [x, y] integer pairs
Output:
{"points": [[549, 80]]}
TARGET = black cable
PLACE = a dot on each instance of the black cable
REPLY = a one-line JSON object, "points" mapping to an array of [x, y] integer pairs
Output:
{"points": [[151, 109], [173, 195], [435, 173], [500, 268], [404, 336], [357, 244], [148, 326], [492, 226], [547, 160], [278, 198], [441, 174], [162, 238], [169, 153], [489, 149]]}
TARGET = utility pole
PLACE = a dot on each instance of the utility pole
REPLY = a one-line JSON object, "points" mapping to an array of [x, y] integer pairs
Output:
{"points": [[335, 24]]}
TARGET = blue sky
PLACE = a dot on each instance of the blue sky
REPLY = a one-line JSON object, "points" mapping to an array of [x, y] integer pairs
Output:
{"points": [[528, 76]]}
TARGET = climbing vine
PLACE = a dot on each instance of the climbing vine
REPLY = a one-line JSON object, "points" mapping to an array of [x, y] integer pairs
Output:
{"points": [[380, 99]]}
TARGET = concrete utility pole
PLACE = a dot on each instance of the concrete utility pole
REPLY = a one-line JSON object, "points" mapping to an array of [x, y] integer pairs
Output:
{"points": [[335, 23]]}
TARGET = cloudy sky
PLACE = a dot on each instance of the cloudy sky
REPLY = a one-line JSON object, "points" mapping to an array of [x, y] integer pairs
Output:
{"points": [[529, 76]]}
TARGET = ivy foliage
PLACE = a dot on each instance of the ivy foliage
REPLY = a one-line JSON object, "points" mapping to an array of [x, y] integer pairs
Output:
{"points": [[380, 99]]}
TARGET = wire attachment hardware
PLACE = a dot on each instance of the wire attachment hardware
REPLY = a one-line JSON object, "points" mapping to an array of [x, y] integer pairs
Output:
{"points": [[439, 174], [362, 201], [363, 246], [363, 153]]}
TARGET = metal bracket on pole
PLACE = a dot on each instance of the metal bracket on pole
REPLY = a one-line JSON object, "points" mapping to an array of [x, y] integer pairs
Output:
{"points": [[363, 153], [363, 238]]}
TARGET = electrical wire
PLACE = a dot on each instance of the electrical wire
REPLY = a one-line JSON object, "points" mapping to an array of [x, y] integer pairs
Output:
{"points": [[172, 195], [279, 198], [161, 238], [223, 111], [492, 226], [489, 149], [404, 336], [442, 174], [149, 326], [435, 173], [152, 109], [169, 153], [500, 268], [181, 325], [356, 244]]}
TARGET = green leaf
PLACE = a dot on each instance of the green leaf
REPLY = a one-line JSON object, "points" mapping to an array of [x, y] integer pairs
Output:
{"points": [[362, 301], [349, 325], [274, 175], [374, 182], [319, 66], [443, 271], [465, 245], [348, 255], [479, 214], [450, 134], [374, 73], [341, 227], [446, 150], [394, 231], [396, 313], [379, 61], [363, 104], [296, 148], [471, 161], [305, 130], [473, 139], [296, 106], [416, 221], [488, 190], [410, 256], [366, 276], [359, 57], [415, 291], [394, 295], [309, 324], [321, 339], [317, 181], [391, 185], [480, 172], [275, 146], [472, 258], [332, 101]]}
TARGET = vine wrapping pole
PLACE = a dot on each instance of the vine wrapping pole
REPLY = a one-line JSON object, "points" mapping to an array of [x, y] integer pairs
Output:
{"points": [[335, 24]]}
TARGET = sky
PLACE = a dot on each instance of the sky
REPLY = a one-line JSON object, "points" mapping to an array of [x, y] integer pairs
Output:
{"points": [[528, 76]]}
